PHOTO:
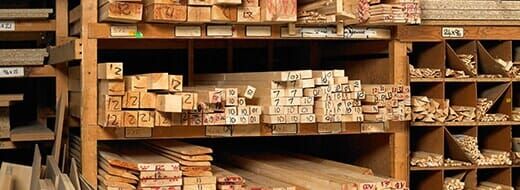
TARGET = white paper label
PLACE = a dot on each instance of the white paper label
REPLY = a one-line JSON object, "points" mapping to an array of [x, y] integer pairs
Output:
{"points": [[7, 26], [188, 31], [258, 31], [123, 31], [219, 31], [452, 32], [9, 72]]}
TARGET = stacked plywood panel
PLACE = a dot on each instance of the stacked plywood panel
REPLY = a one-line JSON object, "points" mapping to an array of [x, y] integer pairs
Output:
{"points": [[126, 11], [22, 57], [395, 12], [309, 172], [24, 13], [195, 162], [137, 167], [484, 10], [387, 103]]}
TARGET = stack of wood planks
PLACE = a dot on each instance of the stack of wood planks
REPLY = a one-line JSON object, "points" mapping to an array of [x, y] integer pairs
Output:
{"points": [[195, 162], [22, 57], [486, 185], [309, 172], [126, 11], [477, 11], [515, 115], [426, 159], [165, 11], [452, 183], [144, 100], [424, 72], [227, 180], [333, 11], [136, 167], [395, 12], [387, 103], [225, 105], [495, 158], [248, 12], [429, 109], [281, 94], [256, 181], [11, 14], [5, 124]]}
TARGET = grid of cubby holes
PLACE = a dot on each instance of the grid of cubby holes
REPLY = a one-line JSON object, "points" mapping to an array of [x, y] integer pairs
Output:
{"points": [[434, 138]]}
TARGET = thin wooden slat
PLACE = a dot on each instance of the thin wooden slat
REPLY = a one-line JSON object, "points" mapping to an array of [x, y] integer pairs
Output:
{"points": [[33, 132]]}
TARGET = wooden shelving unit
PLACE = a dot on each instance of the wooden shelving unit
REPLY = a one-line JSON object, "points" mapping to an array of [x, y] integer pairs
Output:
{"points": [[222, 54], [431, 50], [31, 33]]}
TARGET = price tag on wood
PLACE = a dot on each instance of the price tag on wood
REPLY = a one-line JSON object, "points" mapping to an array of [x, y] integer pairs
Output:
{"points": [[452, 32], [138, 132], [123, 31], [10, 72], [7, 26]]}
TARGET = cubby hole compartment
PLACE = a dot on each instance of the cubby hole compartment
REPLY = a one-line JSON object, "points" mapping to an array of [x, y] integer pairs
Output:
{"points": [[495, 175], [428, 55], [457, 47], [461, 94], [516, 101], [495, 137], [501, 95], [427, 139], [490, 50], [429, 89], [452, 149], [469, 177], [516, 177], [426, 180]]}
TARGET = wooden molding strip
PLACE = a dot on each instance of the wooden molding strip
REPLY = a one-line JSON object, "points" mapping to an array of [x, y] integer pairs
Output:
{"points": [[67, 52]]}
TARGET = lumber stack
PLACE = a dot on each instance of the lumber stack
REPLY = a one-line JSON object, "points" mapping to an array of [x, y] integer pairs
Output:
{"points": [[426, 159], [281, 94], [75, 149], [22, 57], [161, 11], [309, 172], [136, 167], [387, 103], [495, 158], [475, 10], [5, 124], [225, 105], [333, 11], [451, 183], [429, 109], [195, 162], [227, 180], [125, 11], [424, 72], [461, 114], [448, 162], [515, 116], [486, 185], [395, 12], [15, 14], [255, 181], [470, 146], [144, 100]]}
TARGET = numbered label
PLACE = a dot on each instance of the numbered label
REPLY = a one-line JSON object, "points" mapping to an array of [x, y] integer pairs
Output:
{"points": [[123, 31], [452, 32], [8, 72], [7, 26]]}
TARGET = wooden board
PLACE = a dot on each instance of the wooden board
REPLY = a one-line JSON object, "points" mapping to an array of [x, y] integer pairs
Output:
{"points": [[5, 124], [121, 12], [36, 169], [165, 13], [182, 148], [31, 132], [138, 159], [15, 14], [19, 175], [258, 181]]}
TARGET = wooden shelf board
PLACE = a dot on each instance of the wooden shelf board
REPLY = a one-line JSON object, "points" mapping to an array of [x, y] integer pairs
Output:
{"points": [[493, 167], [31, 132], [516, 79], [425, 169], [426, 79], [417, 33], [461, 123], [442, 168], [426, 124], [493, 79], [495, 123], [460, 79]]}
